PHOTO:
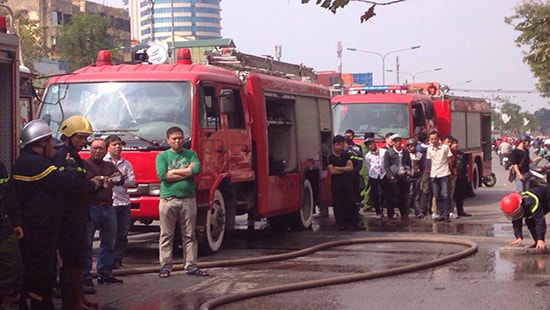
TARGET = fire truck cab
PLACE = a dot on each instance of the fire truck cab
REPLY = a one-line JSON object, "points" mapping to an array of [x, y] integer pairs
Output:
{"points": [[260, 138]]}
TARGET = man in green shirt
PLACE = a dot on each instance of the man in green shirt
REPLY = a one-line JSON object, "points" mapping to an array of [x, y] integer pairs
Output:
{"points": [[175, 169]]}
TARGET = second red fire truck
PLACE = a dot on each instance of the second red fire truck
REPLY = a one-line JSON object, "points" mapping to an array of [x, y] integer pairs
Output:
{"points": [[409, 109]]}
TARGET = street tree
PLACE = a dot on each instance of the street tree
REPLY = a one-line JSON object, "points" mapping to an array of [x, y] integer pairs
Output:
{"points": [[532, 20], [79, 41], [334, 5], [32, 37]]}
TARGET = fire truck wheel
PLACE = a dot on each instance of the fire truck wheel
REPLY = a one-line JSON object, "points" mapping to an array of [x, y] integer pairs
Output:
{"points": [[211, 240], [304, 216], [474, 184]]}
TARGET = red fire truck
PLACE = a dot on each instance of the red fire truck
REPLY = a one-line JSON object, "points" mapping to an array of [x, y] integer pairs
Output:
{"points": [[261, 139], [9, 86], [409, 109]]}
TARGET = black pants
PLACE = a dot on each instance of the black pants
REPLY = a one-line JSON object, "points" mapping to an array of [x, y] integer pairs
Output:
{"points": [[397, 197], [376, 194], [343, 203], [38, 250]]}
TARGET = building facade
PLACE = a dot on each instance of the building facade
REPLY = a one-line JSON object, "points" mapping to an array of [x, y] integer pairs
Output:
{"points": [[53, 13], [174, 20]]}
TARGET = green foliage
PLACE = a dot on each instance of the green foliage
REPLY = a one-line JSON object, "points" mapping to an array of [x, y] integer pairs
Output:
{"points": [[516, 119], [331, 5], [532, 20], [79, 41], [32, 38]]}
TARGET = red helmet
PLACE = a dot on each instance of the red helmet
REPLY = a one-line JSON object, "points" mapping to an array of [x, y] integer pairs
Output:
{"points": [[511, 206]]}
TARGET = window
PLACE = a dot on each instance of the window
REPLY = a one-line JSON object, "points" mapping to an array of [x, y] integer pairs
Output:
{"points": [[208, 107], [235, 120]]}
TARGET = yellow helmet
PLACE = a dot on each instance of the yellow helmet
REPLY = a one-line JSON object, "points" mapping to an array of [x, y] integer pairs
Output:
{"points": [[76, 124]]}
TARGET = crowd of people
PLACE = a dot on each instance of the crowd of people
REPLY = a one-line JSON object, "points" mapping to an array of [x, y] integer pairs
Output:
{"points": [[54, 202], [425, 176]]}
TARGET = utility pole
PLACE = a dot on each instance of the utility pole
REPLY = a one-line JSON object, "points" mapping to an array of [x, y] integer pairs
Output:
{"points": [[152, 11], [397, 69], [339, 56]]}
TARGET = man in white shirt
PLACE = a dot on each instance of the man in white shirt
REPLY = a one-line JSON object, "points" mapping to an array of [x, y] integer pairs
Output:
{"points": [[374, 161], [440, 154]]}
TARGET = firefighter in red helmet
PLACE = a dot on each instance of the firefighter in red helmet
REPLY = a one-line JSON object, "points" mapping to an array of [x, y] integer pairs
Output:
{"points": [[531, 205]]}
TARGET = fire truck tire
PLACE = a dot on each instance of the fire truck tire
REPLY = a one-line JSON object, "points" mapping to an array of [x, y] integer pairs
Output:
{"points": [[304, 216], [211, 240], [474, 184]]}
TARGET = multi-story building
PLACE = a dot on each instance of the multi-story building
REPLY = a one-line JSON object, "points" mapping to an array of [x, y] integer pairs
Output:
{"points": [[174, 20], [52, 13]]}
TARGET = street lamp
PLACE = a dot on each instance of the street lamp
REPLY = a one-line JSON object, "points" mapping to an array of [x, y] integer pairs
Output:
{"points": [[460, 83], [448, 87], [413, 75], [383, 57]]}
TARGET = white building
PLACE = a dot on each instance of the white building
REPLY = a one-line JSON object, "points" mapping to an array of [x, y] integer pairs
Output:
{"points": [[174, 20]]}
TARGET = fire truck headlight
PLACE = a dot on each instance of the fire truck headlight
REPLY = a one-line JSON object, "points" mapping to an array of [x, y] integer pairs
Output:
{"points": [[154, 189]]}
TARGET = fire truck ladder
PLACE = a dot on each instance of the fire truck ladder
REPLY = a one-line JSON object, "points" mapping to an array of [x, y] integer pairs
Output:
{"points": [[245, 63]]}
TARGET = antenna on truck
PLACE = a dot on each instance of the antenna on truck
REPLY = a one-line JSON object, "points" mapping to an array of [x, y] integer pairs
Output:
{"points": [[232, 59]]}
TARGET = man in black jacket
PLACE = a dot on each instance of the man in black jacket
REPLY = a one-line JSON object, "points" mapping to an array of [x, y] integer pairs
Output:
{"points": [[11, 267], [397, 163], [72, 242], [39, 186]]}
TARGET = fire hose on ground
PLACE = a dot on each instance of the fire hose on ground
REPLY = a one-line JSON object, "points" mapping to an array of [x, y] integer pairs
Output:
{"points": [[211, 304]]}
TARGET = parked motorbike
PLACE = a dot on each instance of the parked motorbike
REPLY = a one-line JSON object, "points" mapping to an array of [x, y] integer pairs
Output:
{"points": [[540, 174], [490, 180], [505, 160]]}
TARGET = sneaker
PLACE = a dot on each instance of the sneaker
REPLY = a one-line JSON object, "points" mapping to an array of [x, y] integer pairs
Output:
{"points": [[88, 287], [109, 280], [117, 265]]}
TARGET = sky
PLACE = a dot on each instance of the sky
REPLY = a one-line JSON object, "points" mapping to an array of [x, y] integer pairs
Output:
{"points": [[468, 39]]}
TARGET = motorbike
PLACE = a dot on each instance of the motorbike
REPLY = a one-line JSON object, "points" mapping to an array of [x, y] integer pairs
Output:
{"points": [[540, 174], [489, 180], [505, 160]]}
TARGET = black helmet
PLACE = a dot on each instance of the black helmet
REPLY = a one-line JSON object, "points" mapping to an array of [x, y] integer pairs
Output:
{"points": [[525, 138]]}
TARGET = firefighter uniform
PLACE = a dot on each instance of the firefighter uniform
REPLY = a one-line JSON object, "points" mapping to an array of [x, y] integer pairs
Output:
{"points": [[535, 204], [11, 267], [72, 239], [38, 186]]}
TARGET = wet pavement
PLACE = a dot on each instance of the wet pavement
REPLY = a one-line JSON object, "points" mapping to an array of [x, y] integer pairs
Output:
{"points": [[495, 277]]}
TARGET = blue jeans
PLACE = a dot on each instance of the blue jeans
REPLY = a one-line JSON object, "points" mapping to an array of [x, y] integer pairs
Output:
{"points": [[123, 225], [440, 189], [102, 218]]}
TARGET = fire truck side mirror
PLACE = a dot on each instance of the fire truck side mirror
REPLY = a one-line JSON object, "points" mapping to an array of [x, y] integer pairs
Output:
{"points": [[227, 101]]}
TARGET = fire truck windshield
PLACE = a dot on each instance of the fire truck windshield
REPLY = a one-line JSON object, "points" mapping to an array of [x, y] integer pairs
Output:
{"points": [[141, 110], [379, 118]]}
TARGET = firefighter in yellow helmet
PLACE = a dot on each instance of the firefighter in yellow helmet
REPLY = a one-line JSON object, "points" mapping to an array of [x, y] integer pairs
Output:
{"points": [[72, 247], [531, 205]]}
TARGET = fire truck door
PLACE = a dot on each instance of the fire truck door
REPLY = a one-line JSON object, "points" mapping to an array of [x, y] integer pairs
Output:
{"points": [[239, 148], [212, 145]]}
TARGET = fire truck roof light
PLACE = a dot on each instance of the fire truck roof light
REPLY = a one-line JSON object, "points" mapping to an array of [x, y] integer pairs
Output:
{"points": [[378, 88], [103, 58], [184, 56]]}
